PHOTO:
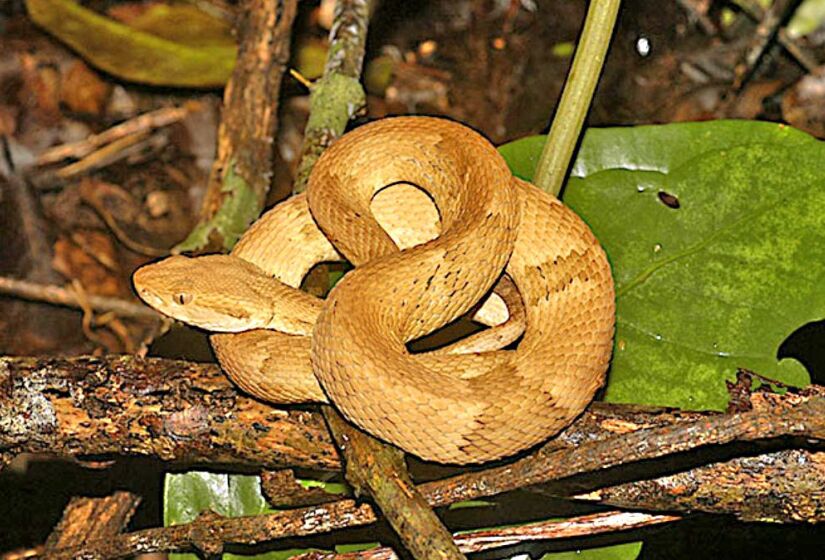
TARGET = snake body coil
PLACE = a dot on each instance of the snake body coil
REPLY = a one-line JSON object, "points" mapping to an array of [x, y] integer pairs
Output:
{"points": [[470, 402]]}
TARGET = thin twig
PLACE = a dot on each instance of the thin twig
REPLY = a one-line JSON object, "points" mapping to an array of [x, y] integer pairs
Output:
{"points": [[763, 38], [802, 55], [575, 98], [67, 297], [698, 11], [142, 123], [488, 539], [102, 157]]}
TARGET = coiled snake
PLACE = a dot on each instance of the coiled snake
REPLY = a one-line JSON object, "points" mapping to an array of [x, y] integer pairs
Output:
{"points": [[470, 402]]}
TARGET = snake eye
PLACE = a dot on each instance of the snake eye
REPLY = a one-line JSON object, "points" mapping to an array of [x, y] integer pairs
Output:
{"points": [[182, 298]]}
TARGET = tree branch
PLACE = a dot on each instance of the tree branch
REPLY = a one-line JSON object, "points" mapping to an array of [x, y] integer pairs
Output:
{"points": [[175, 411], [242, 172], [190, 413], [780, 418], [209, 532], [91, 519], [766, 488]]}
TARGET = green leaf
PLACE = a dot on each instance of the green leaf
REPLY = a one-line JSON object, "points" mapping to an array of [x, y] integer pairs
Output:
{"points": [[337, 488], [188, 494], [627, 551], [355, 547], [809, 16], [651, 148], [468, 504], [311, 58], [717, 283], [184, 24], [158, 51], [563, 50]]}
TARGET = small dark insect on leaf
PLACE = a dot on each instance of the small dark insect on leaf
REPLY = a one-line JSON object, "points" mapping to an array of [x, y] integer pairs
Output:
{"points": [[669, 200]]}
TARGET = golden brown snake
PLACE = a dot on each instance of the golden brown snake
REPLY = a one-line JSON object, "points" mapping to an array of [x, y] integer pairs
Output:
{"points": [[470, 402]]}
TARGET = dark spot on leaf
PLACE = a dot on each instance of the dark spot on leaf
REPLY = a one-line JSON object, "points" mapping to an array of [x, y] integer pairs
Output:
{"points": [[669, 200]]}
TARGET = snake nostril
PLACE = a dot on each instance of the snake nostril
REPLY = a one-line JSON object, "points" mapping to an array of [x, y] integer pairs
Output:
{"points": [[150, 298]]}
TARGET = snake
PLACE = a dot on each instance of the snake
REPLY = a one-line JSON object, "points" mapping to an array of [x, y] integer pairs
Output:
{"points": [[437, 229]]}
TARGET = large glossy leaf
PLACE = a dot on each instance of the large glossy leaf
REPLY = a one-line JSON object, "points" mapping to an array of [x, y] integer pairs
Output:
{"points": [[716, 235]]}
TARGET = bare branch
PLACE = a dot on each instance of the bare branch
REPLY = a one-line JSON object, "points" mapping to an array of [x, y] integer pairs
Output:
{"points": [[172, 410], [243, 167], [184, 412], [57, 295], [90, 519], [142, 123], [488, 539]]}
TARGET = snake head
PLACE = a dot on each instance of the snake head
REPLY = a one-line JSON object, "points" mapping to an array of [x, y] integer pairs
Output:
{"points": [[219, 293]]}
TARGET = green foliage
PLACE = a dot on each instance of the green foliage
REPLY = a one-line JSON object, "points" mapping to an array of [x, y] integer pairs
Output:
{"points": [[627, 551], [335, 98], [311, 58], [469, 504], [809, 16], [717, 283], [188, 494], [564, 49], [237, 212], [174, 45]]}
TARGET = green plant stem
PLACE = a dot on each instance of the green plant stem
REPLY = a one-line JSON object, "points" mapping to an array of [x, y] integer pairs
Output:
{"points": [[576, 96]]}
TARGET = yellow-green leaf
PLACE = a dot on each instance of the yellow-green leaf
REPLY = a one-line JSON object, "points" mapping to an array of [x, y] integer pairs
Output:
{"points": [[136, 54]]}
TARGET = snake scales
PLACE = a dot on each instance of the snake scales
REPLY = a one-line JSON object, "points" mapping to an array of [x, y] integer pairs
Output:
{"points": [[544, 281]]}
